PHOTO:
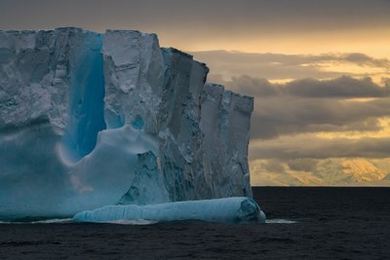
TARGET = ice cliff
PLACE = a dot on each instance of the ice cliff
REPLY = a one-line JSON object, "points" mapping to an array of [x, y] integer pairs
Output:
{"points": [[90, 119]]}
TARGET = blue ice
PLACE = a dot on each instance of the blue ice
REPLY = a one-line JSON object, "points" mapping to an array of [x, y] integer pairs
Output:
{"points": [[226, 210], [86, 98]]}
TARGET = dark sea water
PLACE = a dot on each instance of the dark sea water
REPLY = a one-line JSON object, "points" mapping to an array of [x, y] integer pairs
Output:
{"points": [[330, 223]]}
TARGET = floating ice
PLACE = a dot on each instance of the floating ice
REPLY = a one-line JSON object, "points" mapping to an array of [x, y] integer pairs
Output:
{"points": [[89, 119], [229, 210], [280, 221]]}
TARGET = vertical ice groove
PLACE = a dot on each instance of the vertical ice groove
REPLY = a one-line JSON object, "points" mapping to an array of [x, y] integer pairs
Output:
{"points": [[225, 121], [86, 97]]}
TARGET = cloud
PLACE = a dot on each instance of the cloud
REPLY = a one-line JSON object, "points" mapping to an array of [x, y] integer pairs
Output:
{"points": [[309, 146], [345, 87], [273, 166], [304, 165], [285, 115], [274, 66], [310, 105], [363, 59], [321, 172], [342, 87], [212, 15], [288, 116]]}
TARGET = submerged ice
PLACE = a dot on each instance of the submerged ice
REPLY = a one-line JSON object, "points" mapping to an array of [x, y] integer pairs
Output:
{"points": [[229, 210], [89, 120]]}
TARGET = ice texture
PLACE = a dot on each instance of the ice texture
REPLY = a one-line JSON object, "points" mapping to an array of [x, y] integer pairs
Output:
{"points": [[225, 122], [228, 210], [92, 119]]}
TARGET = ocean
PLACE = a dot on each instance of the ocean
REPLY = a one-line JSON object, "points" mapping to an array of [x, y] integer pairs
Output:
{"points": [[303, 223]]}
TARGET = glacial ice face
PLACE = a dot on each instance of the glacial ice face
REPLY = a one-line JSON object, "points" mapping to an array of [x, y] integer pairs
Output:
{"points": [[181, 145], [146, 183], [228, 210], [133, 74], [89, 119], [225, 121], [86, 93]]}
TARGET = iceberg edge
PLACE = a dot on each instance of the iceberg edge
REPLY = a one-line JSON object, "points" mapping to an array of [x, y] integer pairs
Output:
{"points": [[225, 210]]}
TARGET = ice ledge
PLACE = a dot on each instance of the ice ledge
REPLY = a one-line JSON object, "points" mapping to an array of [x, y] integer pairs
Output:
{"points": [[214, 92], [226, 210]]}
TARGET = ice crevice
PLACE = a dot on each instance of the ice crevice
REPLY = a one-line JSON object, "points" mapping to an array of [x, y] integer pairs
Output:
{"points": [[86, 108]]}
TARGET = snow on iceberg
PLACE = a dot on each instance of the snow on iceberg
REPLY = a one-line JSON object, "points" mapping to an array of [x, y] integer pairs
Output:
{"points": [[90, 119], [228, 210]]}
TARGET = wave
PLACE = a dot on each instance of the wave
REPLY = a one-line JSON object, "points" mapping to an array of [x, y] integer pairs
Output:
{"points": [[46, 221], [280, 221], [69, 221], [125, 222]]}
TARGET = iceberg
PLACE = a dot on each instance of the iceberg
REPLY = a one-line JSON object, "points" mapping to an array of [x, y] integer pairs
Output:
{"points": [[227, 210], [93, 119]]}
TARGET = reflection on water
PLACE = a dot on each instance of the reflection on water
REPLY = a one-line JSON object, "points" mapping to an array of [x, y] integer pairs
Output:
{"points": [[279, 221]]}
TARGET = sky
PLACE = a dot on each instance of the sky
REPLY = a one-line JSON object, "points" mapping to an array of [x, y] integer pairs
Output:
{"points": [[319, 72]]}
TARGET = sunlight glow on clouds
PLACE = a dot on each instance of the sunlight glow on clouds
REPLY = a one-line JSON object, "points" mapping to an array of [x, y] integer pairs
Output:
{"points": [[284, 67], [382, 132], [332, 113]]}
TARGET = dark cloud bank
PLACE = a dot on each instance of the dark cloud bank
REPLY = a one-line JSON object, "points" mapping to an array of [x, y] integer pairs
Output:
{"points": [[218, 16], [283, 112], [310, 105], [274, 66], [289, 116], [317, 148]]}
